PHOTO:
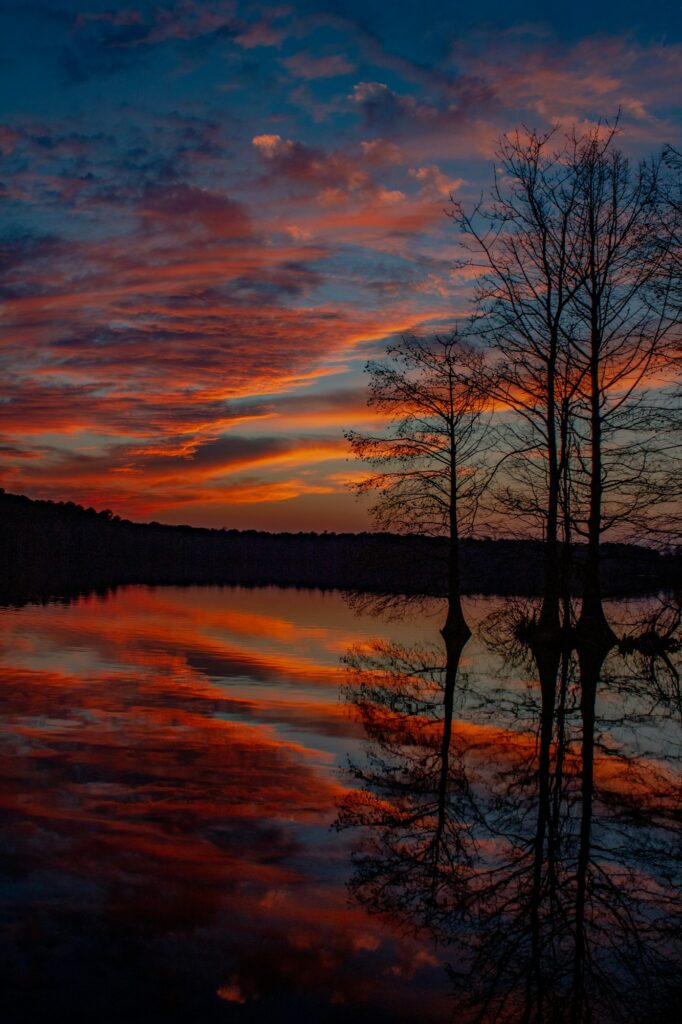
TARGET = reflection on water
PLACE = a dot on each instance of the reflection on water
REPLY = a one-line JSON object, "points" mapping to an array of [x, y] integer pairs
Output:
{"points": [[532, 830], [173, 759]]}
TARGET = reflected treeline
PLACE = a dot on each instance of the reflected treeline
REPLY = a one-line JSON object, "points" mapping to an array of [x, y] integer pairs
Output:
{"points": [[532, 829]]}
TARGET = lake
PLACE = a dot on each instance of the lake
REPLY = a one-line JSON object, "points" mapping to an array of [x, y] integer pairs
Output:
{"points": [[229, 804]]}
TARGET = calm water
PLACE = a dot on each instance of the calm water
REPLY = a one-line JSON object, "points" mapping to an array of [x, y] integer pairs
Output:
{"points": [[174, 759]]}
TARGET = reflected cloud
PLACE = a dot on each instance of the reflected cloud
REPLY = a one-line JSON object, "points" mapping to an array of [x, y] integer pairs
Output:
{"points": [[157, 806]]}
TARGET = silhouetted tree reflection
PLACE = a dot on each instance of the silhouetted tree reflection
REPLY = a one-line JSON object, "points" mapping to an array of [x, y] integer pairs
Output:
{"points": [[650, 667], [533, 831], [413, 789]]}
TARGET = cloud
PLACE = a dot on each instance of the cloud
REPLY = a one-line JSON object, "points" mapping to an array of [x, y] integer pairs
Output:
{"points": [[229, 223], [263, 32], [341, 407], [113, 41], [152, 335], [434, 183], [9, 138], [588, 79], [309, 164], [461, 122], [376, 99], [145, 480], [378, 152], [309, 66], [270, 145], [105, 42], [348, 181], [184, 207], [468, 98]]}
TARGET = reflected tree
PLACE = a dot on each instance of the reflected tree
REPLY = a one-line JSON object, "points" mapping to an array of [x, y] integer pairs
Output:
{"points": [[413, 795], [525, 829]]}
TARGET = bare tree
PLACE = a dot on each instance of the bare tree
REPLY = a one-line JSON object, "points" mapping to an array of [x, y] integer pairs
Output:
{"points": [[428, 466], [576, 299], [522, 238], [624, 321]]}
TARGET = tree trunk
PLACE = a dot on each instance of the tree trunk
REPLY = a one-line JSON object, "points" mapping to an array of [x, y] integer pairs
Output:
{"points": [[549, 613], [455, 623], [592, 624]]}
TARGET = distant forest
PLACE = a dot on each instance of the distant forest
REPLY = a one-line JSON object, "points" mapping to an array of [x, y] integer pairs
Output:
{"points": [[50, 548]]}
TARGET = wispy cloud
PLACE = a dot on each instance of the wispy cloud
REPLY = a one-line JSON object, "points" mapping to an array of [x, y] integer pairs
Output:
{"points": [[204, 246]]}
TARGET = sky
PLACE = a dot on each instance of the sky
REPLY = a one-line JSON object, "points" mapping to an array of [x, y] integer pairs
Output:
{"points": [[213, 213]]}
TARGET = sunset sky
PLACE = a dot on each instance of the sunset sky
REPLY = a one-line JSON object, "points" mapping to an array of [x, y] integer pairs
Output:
{"points": [[213, 213]]}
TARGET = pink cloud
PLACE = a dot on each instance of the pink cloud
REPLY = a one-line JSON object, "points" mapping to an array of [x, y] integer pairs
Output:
{"points": [[592, 78], [434, 183], [260, 33], [303, 163], [380, 151]]}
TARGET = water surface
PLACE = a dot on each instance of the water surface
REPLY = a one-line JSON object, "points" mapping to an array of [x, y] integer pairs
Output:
{"points": [[173, 760]]}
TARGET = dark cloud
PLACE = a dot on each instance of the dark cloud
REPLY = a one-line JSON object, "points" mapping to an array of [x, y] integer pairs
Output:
{"points": [[339, 399], [229, 451], [191, 456], [184, 205], [291, 280], [390, 111], [22, 250], [111, 41], [296, 161]]}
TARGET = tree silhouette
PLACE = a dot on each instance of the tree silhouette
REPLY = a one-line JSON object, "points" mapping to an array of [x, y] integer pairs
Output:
{"points": [[428, 470], [625, 321], [577, 300], [522, 239]]}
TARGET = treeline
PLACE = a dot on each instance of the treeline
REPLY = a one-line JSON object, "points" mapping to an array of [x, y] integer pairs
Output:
{"points": [[47, 548]]}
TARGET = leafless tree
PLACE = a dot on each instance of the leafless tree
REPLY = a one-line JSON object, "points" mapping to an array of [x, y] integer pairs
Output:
{"points": [[625, 321], [522, 238], [428, 465], [577, 299]]}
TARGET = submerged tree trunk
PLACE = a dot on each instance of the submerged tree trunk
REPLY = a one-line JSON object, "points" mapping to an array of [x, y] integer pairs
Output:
{"points": [[455, 626]]}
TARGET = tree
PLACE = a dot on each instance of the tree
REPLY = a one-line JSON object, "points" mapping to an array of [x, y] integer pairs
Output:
{"points": [[575, 298], [522, 238], [671, 221], [625, 320], [428, 470]]}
